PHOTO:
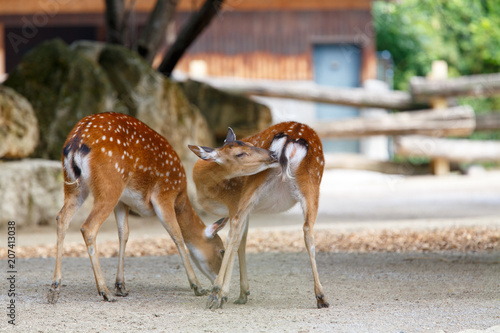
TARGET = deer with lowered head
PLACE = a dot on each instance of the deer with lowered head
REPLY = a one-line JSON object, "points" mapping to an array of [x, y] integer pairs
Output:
{"points": [[127, 166]]}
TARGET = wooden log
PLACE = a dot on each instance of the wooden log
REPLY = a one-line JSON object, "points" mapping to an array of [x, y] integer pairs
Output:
{"points": [[360, 162], [394, 100], [457, 150], [483, 85], [488, 121], [455, 121]]}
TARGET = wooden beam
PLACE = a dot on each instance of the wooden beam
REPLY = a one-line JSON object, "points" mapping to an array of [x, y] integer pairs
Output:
{"points": [[358, 97], [457, 150], [26, 7], [360, 162], [474, 85], [455, 121], [53, 7], [488, 121]]}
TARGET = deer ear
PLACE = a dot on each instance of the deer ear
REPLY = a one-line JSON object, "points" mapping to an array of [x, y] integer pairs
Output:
{"points": [[214, 228], [231, 137], [205, 153]]}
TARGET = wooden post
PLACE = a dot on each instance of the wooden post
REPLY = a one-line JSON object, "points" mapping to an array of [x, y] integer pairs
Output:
{"points": [[440, 166]]}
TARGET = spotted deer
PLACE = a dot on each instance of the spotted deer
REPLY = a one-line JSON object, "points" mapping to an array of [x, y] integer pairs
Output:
{"points": [[229, 186], [127, 166]]}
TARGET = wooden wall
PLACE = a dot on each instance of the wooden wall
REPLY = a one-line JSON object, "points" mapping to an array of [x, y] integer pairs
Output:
{"points": [[277, 44], [264, 39]]}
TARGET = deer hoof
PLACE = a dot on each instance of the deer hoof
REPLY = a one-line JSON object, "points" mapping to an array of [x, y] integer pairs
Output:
{"points": [[198, 291], [106, 296], [213, 301], [120, 290], [53, 294], [243, 298], [322, 303]]}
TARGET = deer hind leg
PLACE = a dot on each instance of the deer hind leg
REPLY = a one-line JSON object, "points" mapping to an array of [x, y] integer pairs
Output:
{"points": [[121, 216], [103, 206], [310, 207], [244, 285], [168, 219], [74, 196]]}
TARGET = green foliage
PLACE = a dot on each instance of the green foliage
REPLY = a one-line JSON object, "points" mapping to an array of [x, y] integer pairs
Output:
{"points": [[465, 33]]}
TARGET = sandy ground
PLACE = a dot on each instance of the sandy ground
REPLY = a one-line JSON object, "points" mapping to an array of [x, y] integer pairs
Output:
{"points": [[409, 291], [367, 293]]}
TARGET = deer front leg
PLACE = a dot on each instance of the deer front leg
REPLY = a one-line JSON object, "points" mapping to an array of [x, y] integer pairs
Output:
{"points": [[168, 219], [220, 289], [121, 216]]}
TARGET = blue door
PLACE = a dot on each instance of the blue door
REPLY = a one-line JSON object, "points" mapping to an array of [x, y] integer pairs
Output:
{"points": [[337, 65]]}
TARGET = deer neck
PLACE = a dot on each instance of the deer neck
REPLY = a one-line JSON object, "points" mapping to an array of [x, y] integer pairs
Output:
{"points": [[209, 175]]}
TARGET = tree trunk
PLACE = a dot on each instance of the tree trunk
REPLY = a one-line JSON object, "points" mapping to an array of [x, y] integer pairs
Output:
{"points": [[155, 29], [192, 29], [115, 11]]}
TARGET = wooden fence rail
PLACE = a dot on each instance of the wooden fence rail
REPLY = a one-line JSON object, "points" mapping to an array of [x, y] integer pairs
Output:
{"points": [[483, 85], [416, 132], [421, 92], [455, 121], [358, 97], [457, 150]]}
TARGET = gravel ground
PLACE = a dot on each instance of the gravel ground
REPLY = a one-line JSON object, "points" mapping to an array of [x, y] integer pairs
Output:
{"points": [[419, 254], [372, 292]]}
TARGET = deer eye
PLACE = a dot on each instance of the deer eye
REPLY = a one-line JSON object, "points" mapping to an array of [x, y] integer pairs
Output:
{"points": [[222, 253], [241, 154]]}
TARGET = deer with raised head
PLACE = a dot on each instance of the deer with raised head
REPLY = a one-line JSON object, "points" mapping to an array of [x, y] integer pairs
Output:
{"points": [[127, 166], [230, 183]]}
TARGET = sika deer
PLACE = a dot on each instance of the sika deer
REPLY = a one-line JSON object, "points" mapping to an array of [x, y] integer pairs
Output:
{"points": [[229, 182], [128, 166]]}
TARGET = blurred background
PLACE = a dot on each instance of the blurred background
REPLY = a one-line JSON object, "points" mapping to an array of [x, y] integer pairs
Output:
{"points": [[404, 94]]}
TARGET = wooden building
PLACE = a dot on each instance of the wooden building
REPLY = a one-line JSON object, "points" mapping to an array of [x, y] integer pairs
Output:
{"points": [[259, 39]]}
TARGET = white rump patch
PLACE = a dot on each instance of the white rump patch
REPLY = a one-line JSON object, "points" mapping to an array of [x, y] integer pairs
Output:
{"points": [[295, 153], [80, 161], [277, 146]]}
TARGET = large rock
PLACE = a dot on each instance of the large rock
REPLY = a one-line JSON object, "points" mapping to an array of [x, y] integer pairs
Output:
{"points": [[159, 102], [63, 86], [90, 77], [18, 125], [223, 110], [31, 192]]}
